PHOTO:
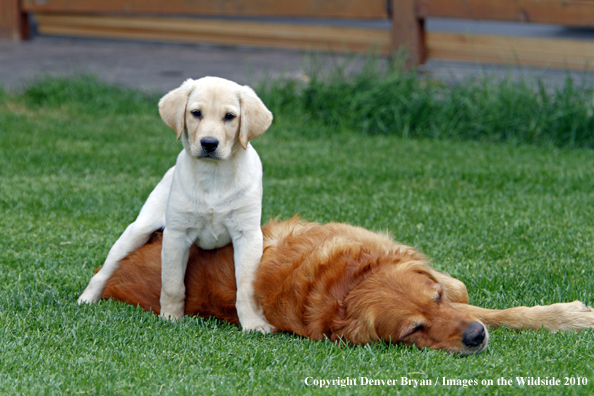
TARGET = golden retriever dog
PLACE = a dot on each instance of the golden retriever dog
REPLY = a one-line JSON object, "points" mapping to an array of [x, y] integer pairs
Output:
{"points": [[339, 282], [211, 197]]}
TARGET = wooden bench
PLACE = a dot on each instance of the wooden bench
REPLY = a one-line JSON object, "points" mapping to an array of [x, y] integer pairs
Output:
{"points": [[162, 20], [217, 23], [495, 49]]}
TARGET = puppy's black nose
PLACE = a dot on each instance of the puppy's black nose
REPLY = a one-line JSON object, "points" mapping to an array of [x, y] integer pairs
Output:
{"points": [[474, 335], [209, 144]]}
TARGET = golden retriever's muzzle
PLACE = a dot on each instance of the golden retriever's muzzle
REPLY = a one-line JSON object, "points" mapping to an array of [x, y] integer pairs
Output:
{"points": [[475, 339]]}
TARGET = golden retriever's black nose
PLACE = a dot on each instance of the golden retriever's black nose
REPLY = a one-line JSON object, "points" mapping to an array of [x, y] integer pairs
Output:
{"points": [[209, 144], [474, 335]]}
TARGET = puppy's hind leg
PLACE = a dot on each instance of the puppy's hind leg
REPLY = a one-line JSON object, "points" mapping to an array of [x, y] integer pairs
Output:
{"points": [[150, 219]]}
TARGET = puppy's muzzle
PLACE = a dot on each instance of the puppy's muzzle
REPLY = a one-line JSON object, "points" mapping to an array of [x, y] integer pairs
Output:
{"points": [[209, 144]]}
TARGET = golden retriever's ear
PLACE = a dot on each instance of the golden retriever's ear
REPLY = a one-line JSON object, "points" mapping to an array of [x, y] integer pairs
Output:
{"points": [[422, 269], [354, 331], [172, 107], [255, 117]]}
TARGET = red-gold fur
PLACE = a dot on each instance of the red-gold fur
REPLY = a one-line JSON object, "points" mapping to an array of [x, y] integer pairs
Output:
{"points": [[340, 282]]}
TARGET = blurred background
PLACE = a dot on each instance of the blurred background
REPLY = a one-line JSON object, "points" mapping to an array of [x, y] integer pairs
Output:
{"points": [[155, 44]]}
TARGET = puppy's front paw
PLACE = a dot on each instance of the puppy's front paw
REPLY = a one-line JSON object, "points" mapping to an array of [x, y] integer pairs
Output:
{"points": [[172, 306], [263, 327], [171, 316], [89, 296], [251, 316]]}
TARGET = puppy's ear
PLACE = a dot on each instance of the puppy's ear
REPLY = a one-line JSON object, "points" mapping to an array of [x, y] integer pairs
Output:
{"points": [[172, 107], [255, 118]]}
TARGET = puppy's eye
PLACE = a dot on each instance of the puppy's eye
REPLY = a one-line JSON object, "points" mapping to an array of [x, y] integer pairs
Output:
{"points": [[229, 117], [196, 113]]}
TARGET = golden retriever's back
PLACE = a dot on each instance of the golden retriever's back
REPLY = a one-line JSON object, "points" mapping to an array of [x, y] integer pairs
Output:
{"points": [[314, 267]]}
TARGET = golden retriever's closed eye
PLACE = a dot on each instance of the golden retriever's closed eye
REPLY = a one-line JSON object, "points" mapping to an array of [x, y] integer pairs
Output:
{"points": [[343, 283]]}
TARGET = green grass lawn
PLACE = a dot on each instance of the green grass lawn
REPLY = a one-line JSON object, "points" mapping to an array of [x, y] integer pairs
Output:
{"points": [[515, 222]]}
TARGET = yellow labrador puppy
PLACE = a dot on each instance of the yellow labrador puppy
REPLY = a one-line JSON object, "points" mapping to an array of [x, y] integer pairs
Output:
{"points": [[211, 197]]}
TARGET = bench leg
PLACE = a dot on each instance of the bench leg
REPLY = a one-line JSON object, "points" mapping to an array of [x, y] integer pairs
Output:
{"points": [[408, 31], [14, 22]]}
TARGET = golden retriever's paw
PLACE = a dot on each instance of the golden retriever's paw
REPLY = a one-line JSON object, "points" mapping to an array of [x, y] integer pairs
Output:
{"points": [[581, 307], [572, 316], [574, 307]]}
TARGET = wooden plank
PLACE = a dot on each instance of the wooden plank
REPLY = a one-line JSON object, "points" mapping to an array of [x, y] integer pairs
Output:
{"points": [[560, 12], [14, 24], [556, 53], [408, 31], [359, 9], [219, 32]]}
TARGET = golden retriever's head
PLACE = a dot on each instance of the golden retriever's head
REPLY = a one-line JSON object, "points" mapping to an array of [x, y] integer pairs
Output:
{"points": [[214, 116], [405, 304]]}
